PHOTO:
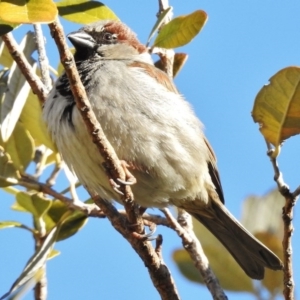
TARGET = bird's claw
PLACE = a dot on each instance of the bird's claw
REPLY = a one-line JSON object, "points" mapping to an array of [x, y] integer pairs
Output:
{"points": [[127, 182], [115, 187], [147, 236]]}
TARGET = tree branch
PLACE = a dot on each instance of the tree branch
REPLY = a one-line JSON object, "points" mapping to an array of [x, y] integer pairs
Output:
{"points": [[184, 229], [42, 57], [287, 216], [112, 162], [159, 272], [34, 81]]}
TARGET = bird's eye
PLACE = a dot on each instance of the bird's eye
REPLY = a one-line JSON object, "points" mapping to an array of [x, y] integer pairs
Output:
{"points": [[109, 37]]}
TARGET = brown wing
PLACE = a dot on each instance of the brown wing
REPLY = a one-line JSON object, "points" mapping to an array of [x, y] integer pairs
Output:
{"points": [[160, 76], [213, 171]]}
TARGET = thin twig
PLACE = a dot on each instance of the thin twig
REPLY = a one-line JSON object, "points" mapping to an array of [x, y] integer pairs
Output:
{"points": [[184, 229], [97, 135], [287, 216], [34, 81], [166, 55], [42, 57], [88, 209]]}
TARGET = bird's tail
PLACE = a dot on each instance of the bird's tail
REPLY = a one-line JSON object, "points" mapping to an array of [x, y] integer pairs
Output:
{"points": [[249, 252]]}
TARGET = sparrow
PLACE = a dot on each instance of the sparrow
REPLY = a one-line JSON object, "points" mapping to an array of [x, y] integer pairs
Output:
{"points": [[153, 129]]}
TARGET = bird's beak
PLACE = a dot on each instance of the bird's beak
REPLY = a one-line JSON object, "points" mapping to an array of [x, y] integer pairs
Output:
{"points": [[80, 39]]}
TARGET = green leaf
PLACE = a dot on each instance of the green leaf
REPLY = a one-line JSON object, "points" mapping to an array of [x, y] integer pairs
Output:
{"points": [[53, 253], [84, 12], [11, 190], [6, 59], [162, 17], [72, 223], [20, 147], [6, 27], [17, 91], [8, 173], [31, 118], [10, 224], [28, 11], [180, 30], [277, 106], [33, 203], [13, 224]]}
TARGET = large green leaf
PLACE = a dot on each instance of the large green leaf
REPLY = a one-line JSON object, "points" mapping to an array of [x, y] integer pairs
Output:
{"points": [[277, 106], [20, 147], [10, 224], [72, 223], [180, 30], [35, 203], [8, 173], [6, 27], [84, 12], [17, 91], [6, 59], [28, 11], [31, 118]]}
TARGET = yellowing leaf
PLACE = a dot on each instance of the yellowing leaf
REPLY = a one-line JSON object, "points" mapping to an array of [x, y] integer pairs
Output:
{"points": [[267, 226], [180, 30], [28, 11], [269, 217], [84, 12], [277, 106], [273, 280]]}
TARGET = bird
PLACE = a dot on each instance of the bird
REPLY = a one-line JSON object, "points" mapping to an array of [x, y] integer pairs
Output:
{"points": [[153, 129]]}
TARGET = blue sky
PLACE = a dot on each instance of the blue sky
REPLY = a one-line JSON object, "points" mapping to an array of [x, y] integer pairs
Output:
{"points": [[241, 46]]}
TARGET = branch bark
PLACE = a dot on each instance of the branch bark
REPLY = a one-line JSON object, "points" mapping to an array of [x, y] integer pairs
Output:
{"points": [[184, 228], [287, 216], [34, 81], [113, 164]]}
